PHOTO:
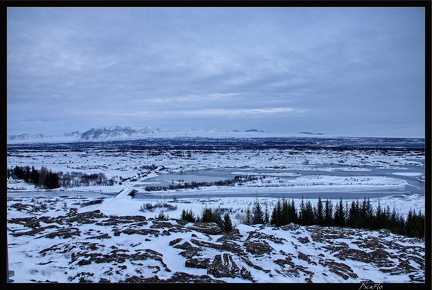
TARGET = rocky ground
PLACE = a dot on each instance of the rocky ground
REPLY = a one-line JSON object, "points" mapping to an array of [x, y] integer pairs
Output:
{"points": [[90, 246]]}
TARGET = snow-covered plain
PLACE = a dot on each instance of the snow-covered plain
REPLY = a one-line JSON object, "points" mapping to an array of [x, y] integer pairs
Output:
{"points": [[284, 173]]}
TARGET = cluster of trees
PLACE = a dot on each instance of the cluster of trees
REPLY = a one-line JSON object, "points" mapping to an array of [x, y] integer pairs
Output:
{"points": [[42, 177], [49, 179], [75, 179], [151, 206], [355, 215], [194, 184], [209, 215]]}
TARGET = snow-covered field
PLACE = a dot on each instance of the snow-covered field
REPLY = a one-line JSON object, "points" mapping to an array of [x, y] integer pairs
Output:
{"points": [[387, 177], [289, 173]]}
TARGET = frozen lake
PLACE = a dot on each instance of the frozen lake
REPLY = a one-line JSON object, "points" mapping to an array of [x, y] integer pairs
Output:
{"points": [[409, 174]]}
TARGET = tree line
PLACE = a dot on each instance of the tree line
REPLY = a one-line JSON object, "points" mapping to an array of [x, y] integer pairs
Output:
{"points": [[357, 214], [49, 179], [42, 177]]}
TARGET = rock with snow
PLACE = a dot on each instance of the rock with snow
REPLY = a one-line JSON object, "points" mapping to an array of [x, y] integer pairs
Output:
{"points": [[85, 245]]}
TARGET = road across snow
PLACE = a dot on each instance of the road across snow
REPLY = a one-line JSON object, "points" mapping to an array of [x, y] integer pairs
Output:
{"points": [[125, 192]]}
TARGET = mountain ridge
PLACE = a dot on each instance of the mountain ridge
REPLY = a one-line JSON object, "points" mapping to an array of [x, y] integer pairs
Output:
{"points": [[129, 133], [111, 133]]}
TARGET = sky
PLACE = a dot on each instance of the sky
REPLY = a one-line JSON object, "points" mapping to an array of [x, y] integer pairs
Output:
{"points": [[337, 71]]}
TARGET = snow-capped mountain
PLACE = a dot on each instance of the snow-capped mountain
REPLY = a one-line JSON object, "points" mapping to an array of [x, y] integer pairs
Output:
{"points": [[130, 133], [24, 137], [110, 133], [41, 138]]}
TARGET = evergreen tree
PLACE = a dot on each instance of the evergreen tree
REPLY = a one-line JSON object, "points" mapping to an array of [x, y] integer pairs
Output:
{"points": [[42, 175], [258, 216], [285, 218], [308, 214], [292, 212], [52, 180], [301, 217], [378, 219], [339, 215], [386, 217], [207, 215], [27, 174], [346, 212], [363, 212], [353, 215], [187, 215], [415, 224], [266, 215], [276, 217], [370, 215], [248, 217], [394, 225], [319, 212], [34, 176], [19, 172], [366, 213], [227, 224], [328, 213], [358, 217]]}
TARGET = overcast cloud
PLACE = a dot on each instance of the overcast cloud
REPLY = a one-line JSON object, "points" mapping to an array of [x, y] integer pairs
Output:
{"points": [[338, 71]]}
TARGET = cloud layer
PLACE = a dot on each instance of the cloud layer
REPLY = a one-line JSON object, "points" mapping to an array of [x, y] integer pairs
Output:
{"points": [[343, 71]]}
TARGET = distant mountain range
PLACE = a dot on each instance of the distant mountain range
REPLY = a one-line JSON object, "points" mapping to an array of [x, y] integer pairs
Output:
{"points": [[136, 133]]}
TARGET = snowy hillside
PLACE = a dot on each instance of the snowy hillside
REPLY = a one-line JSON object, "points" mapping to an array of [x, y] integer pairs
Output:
{"points": [[80, 238]]}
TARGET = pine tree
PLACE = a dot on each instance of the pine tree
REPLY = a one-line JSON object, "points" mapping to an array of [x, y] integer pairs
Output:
{"points": [[308, 215], [27, 174], [266, 215], [319, 212], [187, 215], [366, 213], [415, 224], [258, 216], [248, 217], [227, 224], [34, 176], [358, 216], [378, 219], [352, 215], [328, 213], [394, 220], [301, 217], [339, 216], [18, 172], [42, 175], [52, 180], [386, 217], [276, 217], [207, 215], [285, 218], [293, 217]]}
